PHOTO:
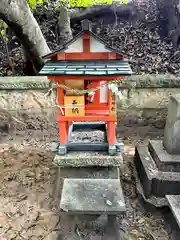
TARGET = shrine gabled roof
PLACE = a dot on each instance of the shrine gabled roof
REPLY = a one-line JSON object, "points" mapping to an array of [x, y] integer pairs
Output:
{"points": [[65, 46], [86, 68]]}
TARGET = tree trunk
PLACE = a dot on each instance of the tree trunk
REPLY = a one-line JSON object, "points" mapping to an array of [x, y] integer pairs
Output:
{"points": [[169, 13], [17, 14], [65, 32], [126, 11]]}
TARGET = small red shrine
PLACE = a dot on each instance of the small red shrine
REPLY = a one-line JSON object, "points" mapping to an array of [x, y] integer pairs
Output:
{"points": [[85, 63]]}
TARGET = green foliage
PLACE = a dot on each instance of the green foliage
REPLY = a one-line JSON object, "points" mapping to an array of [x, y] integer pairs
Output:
{"points": [[33, 3], [87, 3], [75, 3], [3, 27]]}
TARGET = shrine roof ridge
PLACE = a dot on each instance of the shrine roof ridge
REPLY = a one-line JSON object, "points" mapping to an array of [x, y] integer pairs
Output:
{"points": [[84, 30]]}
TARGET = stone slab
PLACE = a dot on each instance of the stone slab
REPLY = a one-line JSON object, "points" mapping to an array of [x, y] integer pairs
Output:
{"points": [[154, 181], [158, 202], [171, 140], [92, 196], [164, 160], [88, 159], [174, 204], [143, 161], [91, 172]]}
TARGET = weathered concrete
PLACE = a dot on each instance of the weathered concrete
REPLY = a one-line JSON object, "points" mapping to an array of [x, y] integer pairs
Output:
{"points": [[92, 196], [164, 161], [90, 172], [155, 201], [171, 140], [174, 204], [139, 81], [84, 172], [142, 96], [24, 83], [101, 228], [87, 159], [146, 168], [154, 181]]}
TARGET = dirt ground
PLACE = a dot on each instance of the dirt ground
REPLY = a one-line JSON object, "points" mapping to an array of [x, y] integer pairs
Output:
{"points": [[28, 209]]}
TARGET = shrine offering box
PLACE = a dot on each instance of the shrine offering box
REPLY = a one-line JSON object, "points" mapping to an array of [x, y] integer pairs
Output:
{"points": [[74, 105]]}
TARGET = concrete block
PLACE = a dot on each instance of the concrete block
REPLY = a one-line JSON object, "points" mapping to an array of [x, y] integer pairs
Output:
{"points": [[95, 223], [87, 159], [112, 150], [92, 196], [146, 168], [106, 228], [92, 172], [62, 150], [154, 181], [171, 140], [164, 161], [174, 204]]}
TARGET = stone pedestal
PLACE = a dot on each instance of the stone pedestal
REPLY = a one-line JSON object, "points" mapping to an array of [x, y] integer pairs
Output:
{"points": [[158, 162], [157, 170], [171, 140], [91, 195]]}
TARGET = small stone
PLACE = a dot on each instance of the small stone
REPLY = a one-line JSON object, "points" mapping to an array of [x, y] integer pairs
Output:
{"points": [[109, 203], [22, 197], [51, 236], [141, 220]]}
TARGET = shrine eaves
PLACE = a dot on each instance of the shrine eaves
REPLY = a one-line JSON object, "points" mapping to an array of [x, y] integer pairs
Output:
{"points": [[86, 55]]}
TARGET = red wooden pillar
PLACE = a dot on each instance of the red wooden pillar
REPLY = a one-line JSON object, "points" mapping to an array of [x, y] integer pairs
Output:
{"points": [[111, 133], [111, 125], [63, 126]]}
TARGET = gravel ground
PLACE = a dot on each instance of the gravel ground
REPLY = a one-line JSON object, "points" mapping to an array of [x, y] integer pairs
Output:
{"points": [[28, 208]]}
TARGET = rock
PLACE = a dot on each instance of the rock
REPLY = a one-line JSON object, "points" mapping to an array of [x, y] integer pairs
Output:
{"points": [[53, 235]]}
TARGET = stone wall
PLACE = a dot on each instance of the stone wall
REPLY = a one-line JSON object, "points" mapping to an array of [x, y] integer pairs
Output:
{"points": [[25, 98]]}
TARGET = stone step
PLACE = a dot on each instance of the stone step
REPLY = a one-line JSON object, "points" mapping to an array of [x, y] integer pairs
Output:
{"points": [[164, 160], [154, 181], [88, 159], [84, 172], [174, 204], [91, 172], [92, 196]]}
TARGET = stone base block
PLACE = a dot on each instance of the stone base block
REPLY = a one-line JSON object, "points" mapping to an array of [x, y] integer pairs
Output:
{"points": [[91, 172], [92, 196], [103, 228], [85, 159], [154, 181], [174, 204], [164, 161]]}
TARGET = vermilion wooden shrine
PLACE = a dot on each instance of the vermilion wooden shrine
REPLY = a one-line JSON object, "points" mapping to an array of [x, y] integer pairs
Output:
{"points": [[86, 63]]}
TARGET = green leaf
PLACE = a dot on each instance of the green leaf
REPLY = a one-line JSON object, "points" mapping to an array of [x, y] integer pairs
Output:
{"points": [[3, 27], [33, 3], [83, 3]]}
